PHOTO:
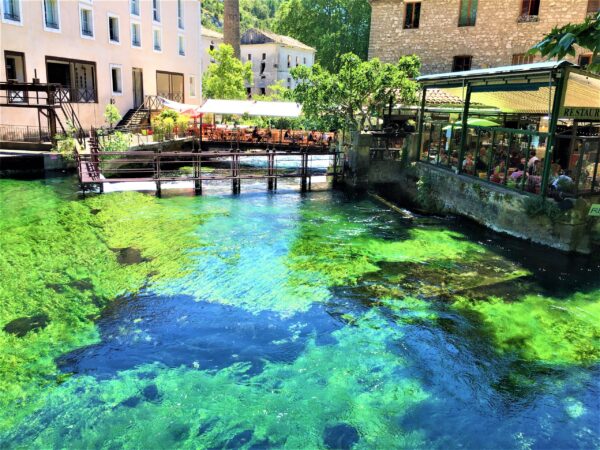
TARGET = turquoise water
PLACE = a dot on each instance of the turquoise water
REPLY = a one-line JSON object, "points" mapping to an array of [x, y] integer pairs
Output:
{"points": [[285, 321]]}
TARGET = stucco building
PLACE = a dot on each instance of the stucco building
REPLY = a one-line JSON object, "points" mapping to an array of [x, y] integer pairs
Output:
{"points": [[454, 35], [209, 40], [273, 57], [101, 51]]}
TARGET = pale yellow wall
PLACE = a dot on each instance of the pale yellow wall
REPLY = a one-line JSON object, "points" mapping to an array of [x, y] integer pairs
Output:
{"points": [[37, 43]]}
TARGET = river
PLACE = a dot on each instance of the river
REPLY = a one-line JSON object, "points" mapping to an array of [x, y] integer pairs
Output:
{"points": [[285, 320]]}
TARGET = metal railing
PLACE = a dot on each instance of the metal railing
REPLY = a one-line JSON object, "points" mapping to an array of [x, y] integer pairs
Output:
{"points": [[67, 94], [24, 133]]}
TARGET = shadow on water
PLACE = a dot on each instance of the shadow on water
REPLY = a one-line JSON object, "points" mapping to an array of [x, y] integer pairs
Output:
{"points": [[178, 331]]}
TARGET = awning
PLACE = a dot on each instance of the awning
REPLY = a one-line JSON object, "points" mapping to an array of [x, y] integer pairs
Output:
{"points": [[252, 108], [189, 110]]}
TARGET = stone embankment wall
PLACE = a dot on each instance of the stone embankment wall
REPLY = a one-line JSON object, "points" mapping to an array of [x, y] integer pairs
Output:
{"points": [[430, 189]]}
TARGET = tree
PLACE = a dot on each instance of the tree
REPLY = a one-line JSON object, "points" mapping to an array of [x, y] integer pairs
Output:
{"points": [[226, 78], [359, 91], [561, 42], [231, 25], [333, 27]]}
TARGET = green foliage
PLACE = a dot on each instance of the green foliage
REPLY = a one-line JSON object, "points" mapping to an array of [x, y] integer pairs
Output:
{"points": [[426, 194], [358, 92], [253, 14], [541, 206], [169, 114], [564, 41], [65, 146], [226, 78], [333, 27], [116, 142], [111, 114]]}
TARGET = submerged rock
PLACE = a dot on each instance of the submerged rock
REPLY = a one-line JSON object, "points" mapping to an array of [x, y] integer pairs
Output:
{"points": [[82, 285], [240, 439], [131, 402], [23, 325], [341, 436], [151, 393], [129, 256]]}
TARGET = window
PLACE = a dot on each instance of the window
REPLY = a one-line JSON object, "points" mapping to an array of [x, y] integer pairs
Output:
{"points": [[289, 61], [136, 40], [522, 58], [11, 10], [86, 22], [249, 56], [170, 86], [14, 62], [264, 56], [192, 85], [304, 60], [157, 39], [413, 15], [530, 10], [461, 63], [78, 78], [180, 22], [116, 79], [297, 61], [51, 19], [134, 7], [181, 45], [586, 59], [289, 83], [263, 91], [113, 29], [468, 13], [593, 7], [156, 10]]}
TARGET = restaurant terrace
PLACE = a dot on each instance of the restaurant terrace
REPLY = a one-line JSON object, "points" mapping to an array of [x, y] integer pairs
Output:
{"points": [[540, 132]]}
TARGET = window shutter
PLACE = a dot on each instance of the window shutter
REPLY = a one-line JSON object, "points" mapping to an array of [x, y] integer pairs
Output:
{"points": [[525, 7], [593, 6]]}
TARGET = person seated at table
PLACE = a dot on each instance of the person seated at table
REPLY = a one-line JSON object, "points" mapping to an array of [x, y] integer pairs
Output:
{"points": [[256, 135], [481, 165], [499, 172], [520, 172], [532, 160], [287, 135], [311, 136], [535, 168], [563, 183], [269, 134], [469, 163]]}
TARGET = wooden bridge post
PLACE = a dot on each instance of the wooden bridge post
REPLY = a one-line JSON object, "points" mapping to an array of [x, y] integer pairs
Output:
{"points": [[303, 172], [270, 171], [198, 175], [157, 174]]}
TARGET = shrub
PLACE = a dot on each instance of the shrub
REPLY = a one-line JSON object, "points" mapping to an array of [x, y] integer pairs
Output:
{"points": [[112, 115], [540, 206]]}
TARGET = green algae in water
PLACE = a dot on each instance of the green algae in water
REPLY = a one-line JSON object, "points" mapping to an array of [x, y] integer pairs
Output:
{"points": [[353, 382], [544, 329], [57, 259]]}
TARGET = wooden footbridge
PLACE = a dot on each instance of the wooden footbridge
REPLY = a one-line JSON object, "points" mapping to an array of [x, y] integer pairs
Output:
{"points": [[251, 161]]}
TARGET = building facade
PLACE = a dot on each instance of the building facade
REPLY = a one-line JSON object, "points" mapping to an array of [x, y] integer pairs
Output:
{"points": [[209, 40], [273, 57], [454, 35], [101, 52]]}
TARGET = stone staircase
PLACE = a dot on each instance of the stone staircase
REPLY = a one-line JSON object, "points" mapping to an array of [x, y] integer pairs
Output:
{"points": [[135, 118]]}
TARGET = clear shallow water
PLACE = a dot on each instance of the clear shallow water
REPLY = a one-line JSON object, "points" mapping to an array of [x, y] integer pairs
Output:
{"points": [[285, 320]]}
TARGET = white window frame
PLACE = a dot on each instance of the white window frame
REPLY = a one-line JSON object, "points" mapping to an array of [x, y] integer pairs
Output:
{"points": [[158, 9], [139, 8], [52, 30], [131, 24], [159, 29], [114, 16], [86, 7], [10, 21], [180, 18], [180, 38], [194, 85], [120, 67]]}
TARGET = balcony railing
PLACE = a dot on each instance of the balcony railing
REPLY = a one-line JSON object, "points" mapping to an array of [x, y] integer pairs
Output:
{"points": [[136, 43], [23, 133], [52, 25], [12, 16], [157, 47], [173, 96], [76, 95], [87, 32]]}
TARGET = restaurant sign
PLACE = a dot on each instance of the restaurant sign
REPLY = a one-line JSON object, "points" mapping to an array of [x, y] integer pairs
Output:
{"points": [[595, 210], [581, 113]]}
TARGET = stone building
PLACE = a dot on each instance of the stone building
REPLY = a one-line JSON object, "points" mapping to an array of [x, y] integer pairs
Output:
{"points": [[272, 57], [454, 35], [100, 52]]}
